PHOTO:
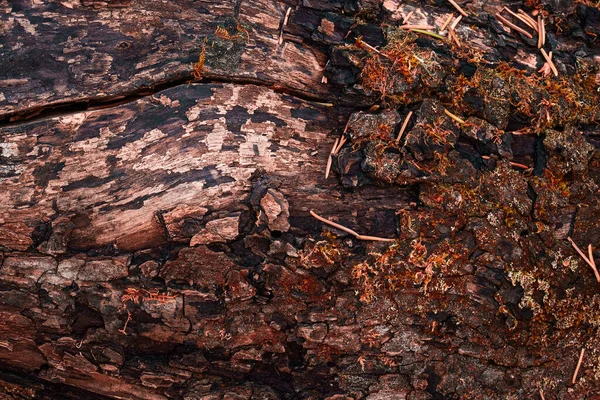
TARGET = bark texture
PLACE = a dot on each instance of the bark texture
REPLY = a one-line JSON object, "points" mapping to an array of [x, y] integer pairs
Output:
{"points": [[159, 160]]}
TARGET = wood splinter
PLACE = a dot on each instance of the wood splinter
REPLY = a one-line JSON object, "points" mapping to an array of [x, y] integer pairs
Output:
{"points": [[285, 22], [513, 26], [287, 16], [549, 61], [340, 145], [454, 117], [458, 8], [330, 159], [350, 231], [454, 37], [546, 70], [422, 27], [455, 23], [540, 32], [447, 22], [522, 18], [530, 21], [591, 262], [578, 366], [404, 124]]}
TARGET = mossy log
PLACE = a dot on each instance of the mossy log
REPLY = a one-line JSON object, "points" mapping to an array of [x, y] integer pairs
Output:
{"points": [[159, 162]]}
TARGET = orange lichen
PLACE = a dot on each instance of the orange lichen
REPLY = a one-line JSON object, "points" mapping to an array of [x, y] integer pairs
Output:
{"points": [[377, 76], [224, 34], [547, 102], [322, 252], [398, 267], [589, 3], [396, 65], [244, 31], [138, 296], [435, 132], [383, 131], [198, 68]]}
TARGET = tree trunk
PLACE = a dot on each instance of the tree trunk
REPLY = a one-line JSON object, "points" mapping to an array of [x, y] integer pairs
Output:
{"points": [[159, 162]]}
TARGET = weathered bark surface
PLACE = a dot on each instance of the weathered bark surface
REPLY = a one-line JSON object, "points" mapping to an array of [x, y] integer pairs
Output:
{"points": [[155, 235], [131, 176], [98, 51], [77, 52]]}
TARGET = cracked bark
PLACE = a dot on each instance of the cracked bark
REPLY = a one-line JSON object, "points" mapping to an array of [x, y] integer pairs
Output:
{"points": [[155, 235]]}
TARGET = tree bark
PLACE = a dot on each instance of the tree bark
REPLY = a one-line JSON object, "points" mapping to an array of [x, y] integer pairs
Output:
{"points": [[159, 162]]}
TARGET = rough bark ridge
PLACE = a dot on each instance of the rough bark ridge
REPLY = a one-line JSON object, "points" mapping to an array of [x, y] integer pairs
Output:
{"points": [[158, 162]]}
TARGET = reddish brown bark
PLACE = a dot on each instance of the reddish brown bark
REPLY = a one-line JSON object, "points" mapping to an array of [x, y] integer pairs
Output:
{"points": [[155, 235]]}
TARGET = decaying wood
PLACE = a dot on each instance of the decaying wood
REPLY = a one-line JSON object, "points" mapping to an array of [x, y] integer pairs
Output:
{"points": [[160, 162], [129, 176], [95, 51]]}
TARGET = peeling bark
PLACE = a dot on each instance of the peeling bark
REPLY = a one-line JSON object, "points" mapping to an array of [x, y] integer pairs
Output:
{"points": [[155, 234]]}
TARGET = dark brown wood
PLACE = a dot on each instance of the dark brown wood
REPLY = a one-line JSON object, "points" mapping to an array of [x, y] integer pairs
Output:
{"points": [[156, 240], [79, 52], [130, 176]]}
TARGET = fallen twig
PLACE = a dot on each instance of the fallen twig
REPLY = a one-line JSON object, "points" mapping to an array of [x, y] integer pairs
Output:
{"points": [[362, 43], [404, 125], [339, 146], [522, 19], [518, 165], [323, 104], [531, 21], [455, 23], [591, 255], [330, 159], [578, 366], [514, 164], [513, 26], [335, 225], [540, 35], [407, 18], [435, 35], [334, 146], [546, 70], [346, 127], [447, 22], [422, 27], [590, 261], [523, 131], [460, 10], [542, 395], [328, 167], [454, 37], [124, 329], [374, 238], [549, 61], [350, 231], [454, 117]]}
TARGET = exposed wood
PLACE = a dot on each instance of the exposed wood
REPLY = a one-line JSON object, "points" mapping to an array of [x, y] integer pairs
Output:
{"points": [[121, 174], [167, 232], [95, 51]]}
